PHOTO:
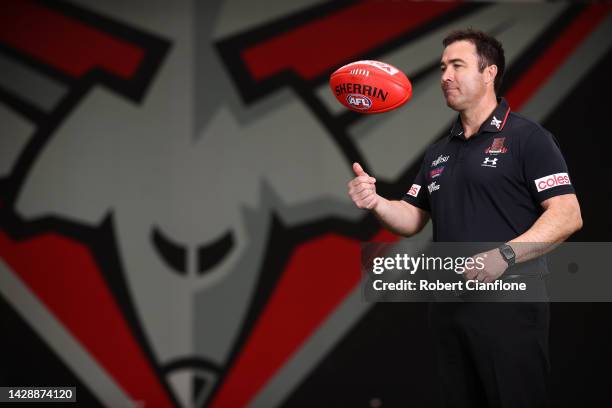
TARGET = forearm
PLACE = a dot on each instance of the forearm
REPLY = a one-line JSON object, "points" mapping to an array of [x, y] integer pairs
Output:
{"points": [[553, 227], [399, 217]]}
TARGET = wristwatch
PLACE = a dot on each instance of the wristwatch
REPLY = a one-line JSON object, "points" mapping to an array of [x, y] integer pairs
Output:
{"points": [[508, 254]]}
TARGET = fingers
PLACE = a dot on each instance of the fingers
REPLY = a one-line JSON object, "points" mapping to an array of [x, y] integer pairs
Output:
{"points": [[356, 189], [482, 276], [469, 274], [361, 192], [358, 170], [367, 202], [362, 189], [364, 195], [472, 273], [361, 179], [360, 186], [478, 275], [488, 279], [365, 179]]}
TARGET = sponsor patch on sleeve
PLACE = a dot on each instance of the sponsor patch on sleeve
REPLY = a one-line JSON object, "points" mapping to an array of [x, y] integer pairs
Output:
{"points": [[414, 190], [554, 180]]}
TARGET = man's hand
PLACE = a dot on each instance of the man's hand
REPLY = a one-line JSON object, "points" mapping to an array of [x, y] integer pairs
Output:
{"points": [[494, 267], [362, 189]]}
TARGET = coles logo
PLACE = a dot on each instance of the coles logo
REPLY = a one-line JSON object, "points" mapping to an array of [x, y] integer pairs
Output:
{"points": [[551, 181], [359, 101], [414, 190]]}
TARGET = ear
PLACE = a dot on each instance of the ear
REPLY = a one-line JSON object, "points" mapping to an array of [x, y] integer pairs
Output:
{"points": [[490, 73]]}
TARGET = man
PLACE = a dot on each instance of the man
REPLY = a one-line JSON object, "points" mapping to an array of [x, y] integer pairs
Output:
{"points": [[497, 177]]}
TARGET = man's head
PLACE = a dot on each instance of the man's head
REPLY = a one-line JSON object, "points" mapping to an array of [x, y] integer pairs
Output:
{"points": [[472, 67]]}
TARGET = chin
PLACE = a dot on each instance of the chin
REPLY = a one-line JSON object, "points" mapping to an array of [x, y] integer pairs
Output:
{"points": [[453, 105]]}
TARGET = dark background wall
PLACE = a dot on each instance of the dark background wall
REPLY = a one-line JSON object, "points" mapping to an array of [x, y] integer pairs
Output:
{"points": [[174, 223]]}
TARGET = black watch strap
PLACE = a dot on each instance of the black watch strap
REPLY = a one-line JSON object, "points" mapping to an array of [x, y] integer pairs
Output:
{"points": [[508, 254]]}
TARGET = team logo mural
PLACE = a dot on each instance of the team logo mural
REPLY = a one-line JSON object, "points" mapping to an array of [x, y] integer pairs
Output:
{"points": [[163, 209]]}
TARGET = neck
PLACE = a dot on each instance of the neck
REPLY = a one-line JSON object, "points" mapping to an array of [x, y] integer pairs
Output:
{"points": [[473, 117]]}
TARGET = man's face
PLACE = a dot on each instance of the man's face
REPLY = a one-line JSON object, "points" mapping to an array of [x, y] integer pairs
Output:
{"points": [[462, 83]]}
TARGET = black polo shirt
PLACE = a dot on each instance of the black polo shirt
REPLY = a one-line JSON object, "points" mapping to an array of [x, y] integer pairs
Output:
{"points": [[489, 187]]}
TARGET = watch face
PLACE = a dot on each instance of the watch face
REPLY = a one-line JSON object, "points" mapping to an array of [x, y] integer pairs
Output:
{"points": [[507, 252]]}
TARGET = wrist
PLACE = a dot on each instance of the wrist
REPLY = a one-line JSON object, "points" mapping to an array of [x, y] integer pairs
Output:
{"points": [[378, 205], [507, 253]]}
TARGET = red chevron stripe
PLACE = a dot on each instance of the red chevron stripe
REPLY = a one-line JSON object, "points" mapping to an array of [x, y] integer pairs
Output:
{"points": [[318, 277], [63, 275], [317, 47], [64, 43]]}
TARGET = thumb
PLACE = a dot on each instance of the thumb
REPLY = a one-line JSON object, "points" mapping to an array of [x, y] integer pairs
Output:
{"points": [[358, 170]]}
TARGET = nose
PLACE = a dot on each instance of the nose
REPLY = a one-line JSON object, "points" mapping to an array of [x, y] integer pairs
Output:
{"points": [[447, 75]]}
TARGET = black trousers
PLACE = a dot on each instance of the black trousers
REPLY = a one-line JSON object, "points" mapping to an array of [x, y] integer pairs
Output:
{"points": [[492, 355]]}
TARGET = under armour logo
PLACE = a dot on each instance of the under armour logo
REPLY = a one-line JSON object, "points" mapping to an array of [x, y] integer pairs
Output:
{"points": [[496, 122], [489, 162]]}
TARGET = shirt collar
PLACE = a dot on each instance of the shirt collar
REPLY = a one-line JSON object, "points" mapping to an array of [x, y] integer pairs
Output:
{"points": [[494, 123]]}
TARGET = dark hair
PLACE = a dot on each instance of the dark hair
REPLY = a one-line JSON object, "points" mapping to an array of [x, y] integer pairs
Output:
{"points": [[488, 49]]}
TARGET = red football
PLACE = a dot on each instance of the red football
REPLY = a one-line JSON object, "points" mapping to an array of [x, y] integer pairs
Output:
{"points": [[370, 86]]}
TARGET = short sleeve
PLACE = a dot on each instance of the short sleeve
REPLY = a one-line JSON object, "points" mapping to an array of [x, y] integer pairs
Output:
{"points": [[544, 167], [417, 194]]}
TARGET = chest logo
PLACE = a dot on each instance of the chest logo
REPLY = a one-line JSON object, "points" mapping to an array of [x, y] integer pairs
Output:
{"points": [[497, 146], [440, 159], [436, 172], [433, 187], [489, 162]]}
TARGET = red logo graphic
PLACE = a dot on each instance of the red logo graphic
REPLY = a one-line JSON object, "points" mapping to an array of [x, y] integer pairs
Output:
{"points": [[436, 172], [497, 146]]}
